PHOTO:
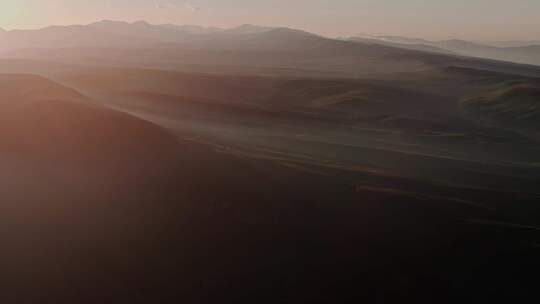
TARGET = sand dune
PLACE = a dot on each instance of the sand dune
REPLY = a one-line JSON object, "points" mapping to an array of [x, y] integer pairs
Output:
{"points": [[40, 115], [69, 168]]}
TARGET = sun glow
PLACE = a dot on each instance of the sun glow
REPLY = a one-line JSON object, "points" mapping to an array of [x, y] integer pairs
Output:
{"points": [[10, 11]]}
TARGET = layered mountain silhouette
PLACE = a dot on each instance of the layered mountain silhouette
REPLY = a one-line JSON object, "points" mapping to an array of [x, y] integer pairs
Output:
{"points": [[247, 37], [520, 52], [109, 33], [272, 51]]}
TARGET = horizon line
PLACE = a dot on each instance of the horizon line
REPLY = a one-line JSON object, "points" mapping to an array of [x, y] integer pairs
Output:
{"points": [[360, 35]]}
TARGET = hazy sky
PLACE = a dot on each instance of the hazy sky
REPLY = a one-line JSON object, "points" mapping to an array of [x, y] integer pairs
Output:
{"points": [[434, 19]]}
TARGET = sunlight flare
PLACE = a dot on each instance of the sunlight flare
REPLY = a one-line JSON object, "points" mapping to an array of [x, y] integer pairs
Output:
{"points": [[10, 10]]}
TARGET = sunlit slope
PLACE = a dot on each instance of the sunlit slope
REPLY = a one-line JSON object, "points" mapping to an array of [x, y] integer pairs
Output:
{"points": [[73, 176], [56, 146], [48, 127]]}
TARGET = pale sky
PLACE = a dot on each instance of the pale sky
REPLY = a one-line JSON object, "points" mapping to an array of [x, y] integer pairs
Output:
{"points": [[431, 19]]}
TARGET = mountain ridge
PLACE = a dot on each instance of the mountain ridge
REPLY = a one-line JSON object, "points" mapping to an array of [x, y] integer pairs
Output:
{"points": [[141, 44], [526, 54]]}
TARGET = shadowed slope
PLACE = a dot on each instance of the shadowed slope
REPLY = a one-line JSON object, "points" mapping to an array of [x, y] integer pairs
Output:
{"points": [[515, 104]]}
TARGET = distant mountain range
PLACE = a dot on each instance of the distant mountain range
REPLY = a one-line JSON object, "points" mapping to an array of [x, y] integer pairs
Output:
{"points": [[512, 51], [277, 50], [141, 34], [107, 33], [512, 43]]}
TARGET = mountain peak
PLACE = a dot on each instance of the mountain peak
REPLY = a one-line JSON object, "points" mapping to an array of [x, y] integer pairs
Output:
{"points": [[192, 29], [404, 40], [250, 29], [108, 23], [289, 31]]}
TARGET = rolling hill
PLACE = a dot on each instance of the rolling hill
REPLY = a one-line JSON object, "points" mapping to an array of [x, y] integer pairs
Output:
{"points": [[515, 104]]}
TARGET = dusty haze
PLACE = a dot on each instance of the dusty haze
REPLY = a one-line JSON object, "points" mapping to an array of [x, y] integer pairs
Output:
{"points": [[154, 162], [436, 19]]}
